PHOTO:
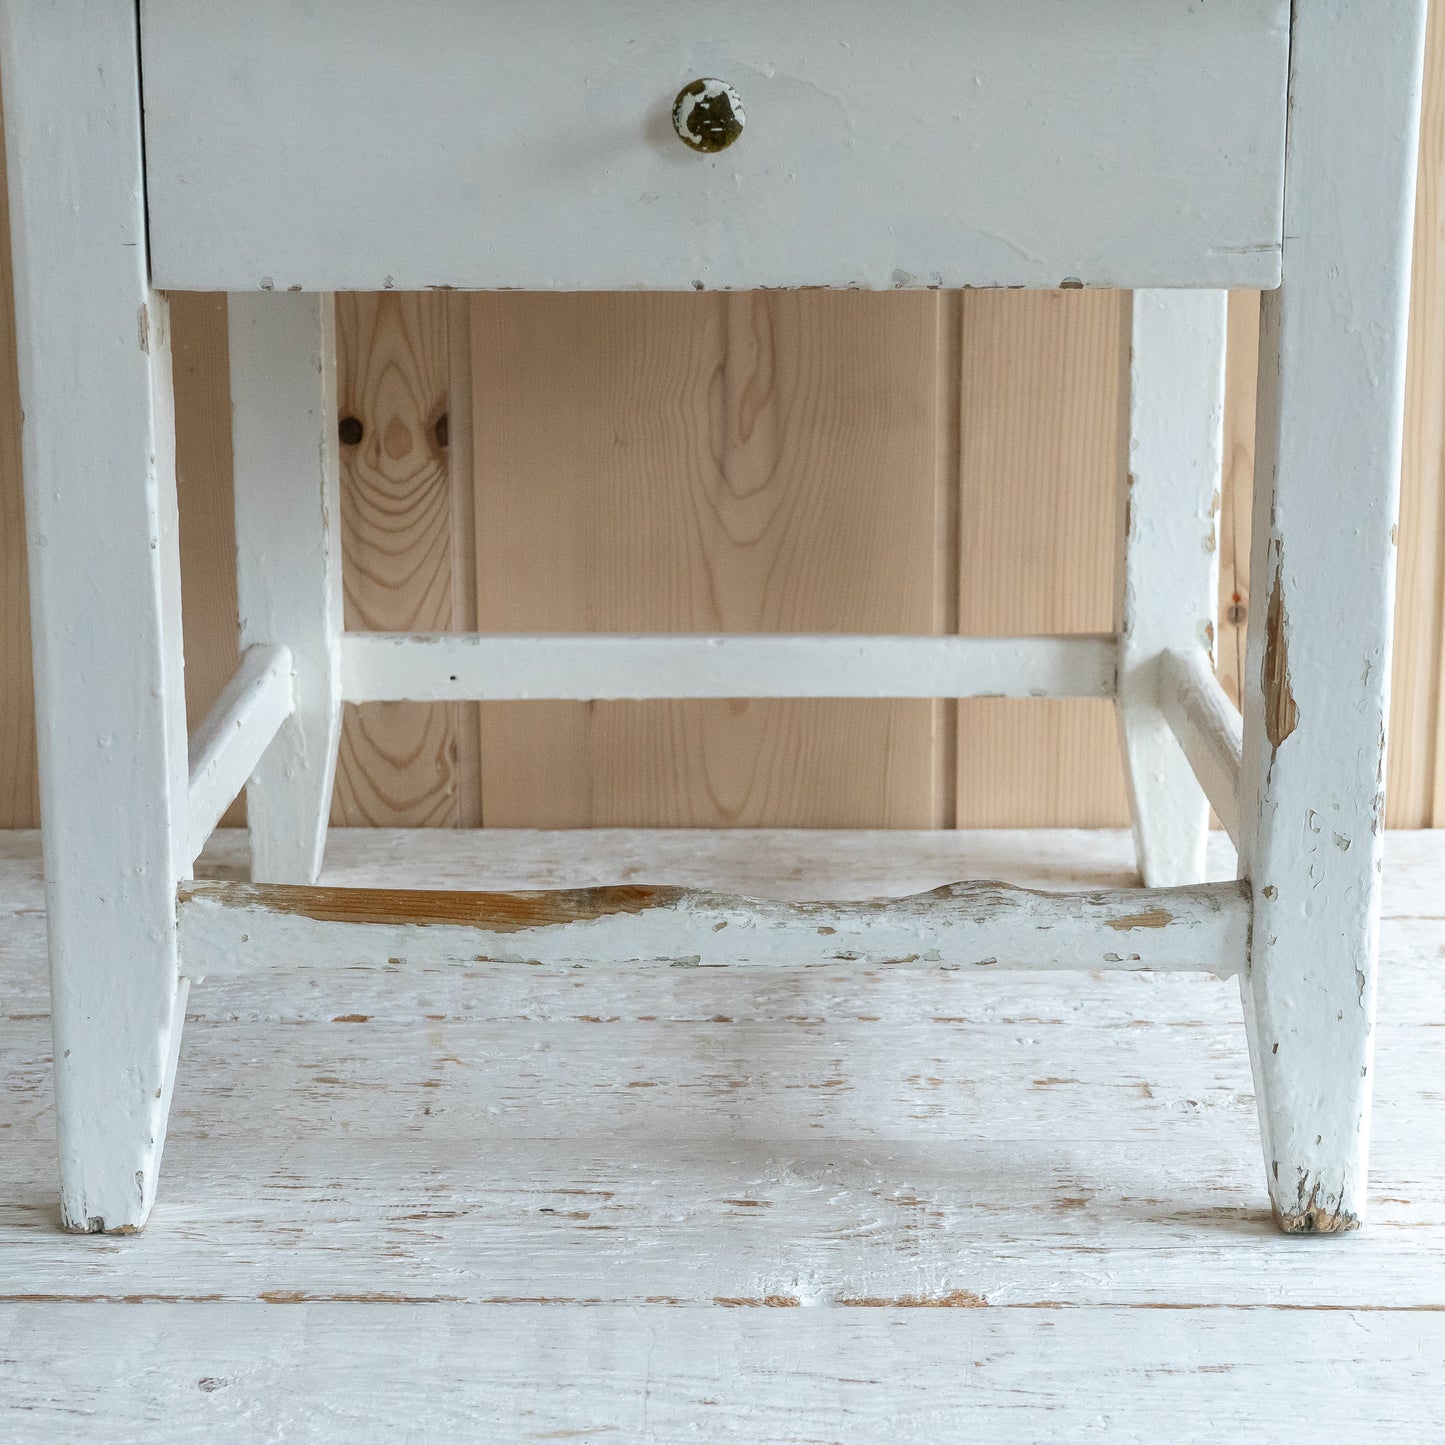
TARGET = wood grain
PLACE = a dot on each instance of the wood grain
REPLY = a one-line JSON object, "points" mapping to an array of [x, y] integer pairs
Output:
{"points": [[1051, 373], [399, 761], [758, 462], [1241, 374], [19, 791], [204, 481], [729, 1142], [1044, 432], [1325, 524], [242, 928], [319, 1372], [1416, 796]]}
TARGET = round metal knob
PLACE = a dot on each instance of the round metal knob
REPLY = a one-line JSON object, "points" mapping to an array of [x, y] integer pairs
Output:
{"points": [[708, 115]]}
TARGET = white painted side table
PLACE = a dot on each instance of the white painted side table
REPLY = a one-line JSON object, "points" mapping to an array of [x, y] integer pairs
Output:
{"points": [[1173, 146]]}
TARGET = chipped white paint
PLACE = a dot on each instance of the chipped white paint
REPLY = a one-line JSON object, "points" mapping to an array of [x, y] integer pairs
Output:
{"points": [[593, 1200], [1039, 1118], [722, 117], [914, 143], [1332, 380], [236, 928], [383, 667], [226, 747], [332, 1372], [100, 508], [1169, 560], [1107, 143], [288, 560], [756, 863], [1207, 726]]}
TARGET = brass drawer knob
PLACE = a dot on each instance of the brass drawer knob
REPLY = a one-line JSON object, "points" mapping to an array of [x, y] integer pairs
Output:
{"points": [[708, 115]]}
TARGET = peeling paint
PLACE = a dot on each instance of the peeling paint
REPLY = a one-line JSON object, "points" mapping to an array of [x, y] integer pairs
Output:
{"points": [[708, 115], [1153, 918], [954, 1299], [497, 912], [1315, 1211], [1281, 714], [950, 927]]}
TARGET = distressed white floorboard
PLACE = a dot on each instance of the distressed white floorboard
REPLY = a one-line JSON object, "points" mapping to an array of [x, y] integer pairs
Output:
{"points": [[431, 1205], [533, 1372]]}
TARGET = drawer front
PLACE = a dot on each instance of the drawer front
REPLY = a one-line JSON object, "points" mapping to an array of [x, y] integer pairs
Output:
{"points": [[322, 145]]}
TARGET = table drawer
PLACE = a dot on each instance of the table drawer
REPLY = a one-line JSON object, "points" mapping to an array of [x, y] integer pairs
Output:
{"points": [[321, 145]]}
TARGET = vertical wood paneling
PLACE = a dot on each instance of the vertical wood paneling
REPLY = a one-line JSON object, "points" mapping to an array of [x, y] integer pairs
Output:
{"points": [[19, 795], [1416, 786], [399, 761], [1044, 437], [461, 464], [201, 367], [709, 462], [1011, 392], [1242, 370]]}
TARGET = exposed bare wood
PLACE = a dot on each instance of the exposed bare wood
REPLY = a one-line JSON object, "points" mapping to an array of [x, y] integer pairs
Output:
{"points": [[752, 463], [229, 928], [796, 864], [1326, 512], [1237, 489], [1415, 778], [461, 476], [200, 363], [1262, 143], [203, 463], [954, 1150], [399, 510], [1044, 441], [19, 792]]}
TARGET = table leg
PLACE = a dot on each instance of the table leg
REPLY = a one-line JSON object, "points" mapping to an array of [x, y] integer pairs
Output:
{"points": [[100, 502], [1331, 399], [288, 560], [1169, 568]]}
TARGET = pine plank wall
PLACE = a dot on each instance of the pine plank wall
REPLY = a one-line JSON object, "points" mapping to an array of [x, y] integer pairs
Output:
{"points": [[909, 462]]}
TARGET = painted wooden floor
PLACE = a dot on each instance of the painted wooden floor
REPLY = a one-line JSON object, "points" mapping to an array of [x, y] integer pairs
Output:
{"points": [[913, 1207]]}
